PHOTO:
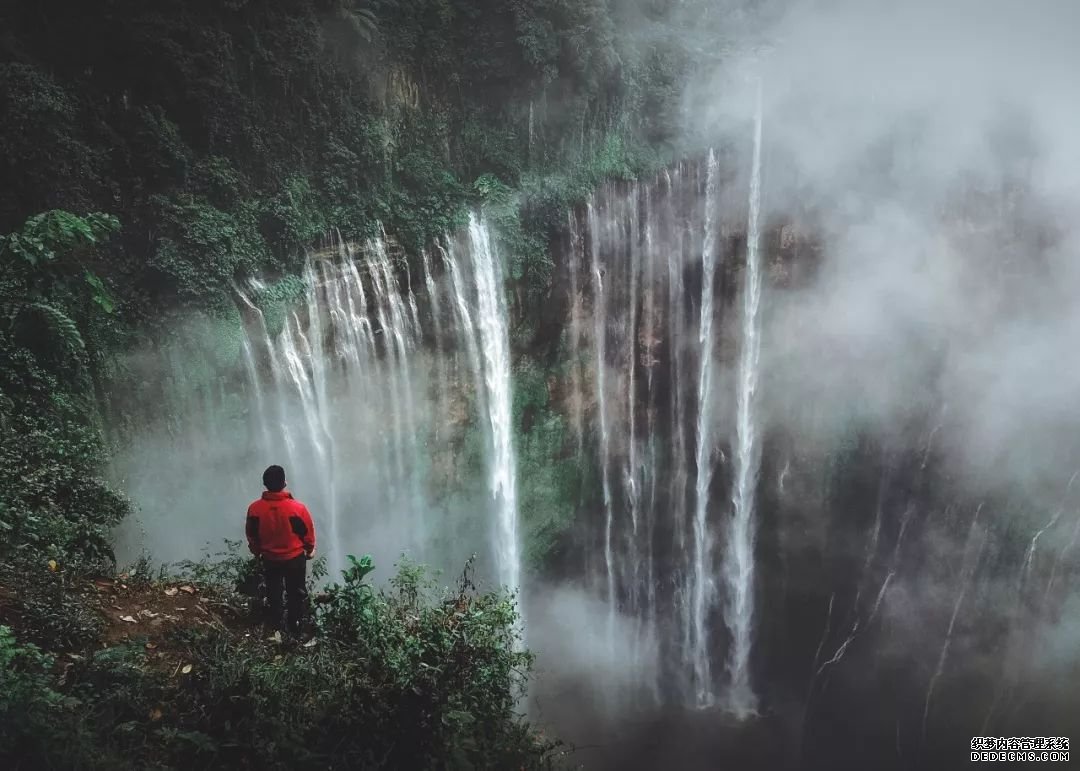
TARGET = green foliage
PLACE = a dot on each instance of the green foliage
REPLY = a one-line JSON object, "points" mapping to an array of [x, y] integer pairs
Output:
{"points": [[276, 299], [61, 326], [232, 138], [28, 703], [455, 655], [46, 234], [57, 506], [205, 248], [38, 282], [298, 208], [101, 295], [397, 678], [227, 569], [47, 609], [48, 161], [550, 477], [144, 573]]}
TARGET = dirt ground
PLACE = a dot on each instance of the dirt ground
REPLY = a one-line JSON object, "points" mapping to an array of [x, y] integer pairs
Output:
{"points": [[151, 612], [147, 614]]}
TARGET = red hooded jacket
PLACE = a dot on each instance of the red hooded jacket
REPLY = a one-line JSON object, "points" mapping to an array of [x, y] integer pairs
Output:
{"points": [[279, 527]]}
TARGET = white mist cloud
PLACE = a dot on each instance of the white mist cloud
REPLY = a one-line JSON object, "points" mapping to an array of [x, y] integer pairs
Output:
{"points": [[580, 667], [931, 148]]}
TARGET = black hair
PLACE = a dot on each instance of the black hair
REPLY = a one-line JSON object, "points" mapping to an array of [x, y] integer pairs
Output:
{"points": [[274, 479]]}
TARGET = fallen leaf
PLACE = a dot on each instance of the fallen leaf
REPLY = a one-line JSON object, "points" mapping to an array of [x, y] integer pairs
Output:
{"points": [[148, 613], [129, 619], [171, 592], [187, 669], [311, 643], [150, 646], [155, 714], [188, 589]]}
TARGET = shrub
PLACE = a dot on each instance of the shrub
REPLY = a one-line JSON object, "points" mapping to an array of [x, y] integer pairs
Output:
{"points": [[401, 677], [56, 505], [28, 702], [48, 611]]}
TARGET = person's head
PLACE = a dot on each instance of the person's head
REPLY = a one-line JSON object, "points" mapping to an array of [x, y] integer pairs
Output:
{"points": [[274, 479]]}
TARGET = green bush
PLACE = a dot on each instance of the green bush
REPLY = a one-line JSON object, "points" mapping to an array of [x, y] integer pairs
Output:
{"points": [[402, 677], [46, 608], [29, 706], [56, 505]]}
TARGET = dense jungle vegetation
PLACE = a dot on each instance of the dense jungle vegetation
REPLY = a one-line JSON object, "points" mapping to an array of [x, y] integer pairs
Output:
{"points": [[154, 153]]}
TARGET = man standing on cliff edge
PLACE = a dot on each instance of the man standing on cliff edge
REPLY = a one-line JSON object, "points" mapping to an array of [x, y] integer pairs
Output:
{"points": [[280, 532]]}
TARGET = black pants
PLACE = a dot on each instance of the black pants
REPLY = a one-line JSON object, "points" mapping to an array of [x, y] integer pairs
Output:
{"points": [[293, 574]]}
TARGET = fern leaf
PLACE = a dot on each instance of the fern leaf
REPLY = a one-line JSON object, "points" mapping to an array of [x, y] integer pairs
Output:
{"points": [[61, 325]]}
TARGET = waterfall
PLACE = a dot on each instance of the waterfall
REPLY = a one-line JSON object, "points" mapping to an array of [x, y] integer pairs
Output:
{"points": [[652, 347], [577, 403], [739, 562], [483, 326], [630, 475], [437, 329], [302, 363], [702, 587], [657, 347], [494, 341], [648, 340], [600, 330], [365, 399], [680, 464], [251, 368]]}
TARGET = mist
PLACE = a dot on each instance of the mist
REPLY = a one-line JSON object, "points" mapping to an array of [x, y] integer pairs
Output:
{"points": [[928, 147], [921, 172], [374, 439]]}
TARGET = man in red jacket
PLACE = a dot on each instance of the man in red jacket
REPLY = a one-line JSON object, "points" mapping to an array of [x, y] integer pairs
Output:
{"points": [[280, 531]]}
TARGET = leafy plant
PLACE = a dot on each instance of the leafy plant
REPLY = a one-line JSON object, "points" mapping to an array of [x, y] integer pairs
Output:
{"points": [[60, 508], [229, 568], [47, 609], [28, 703], [45, 236], [39, 256]]}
